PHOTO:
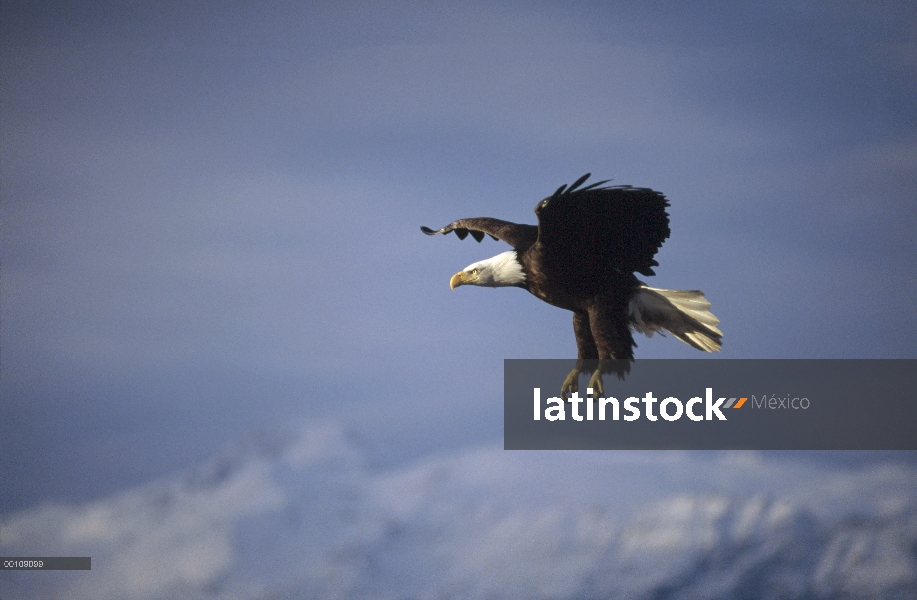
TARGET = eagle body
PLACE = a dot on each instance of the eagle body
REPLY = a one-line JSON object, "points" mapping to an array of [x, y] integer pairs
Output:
{"points": [[582, 256]]}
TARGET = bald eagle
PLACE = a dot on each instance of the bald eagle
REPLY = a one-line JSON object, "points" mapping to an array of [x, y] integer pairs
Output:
{"points": [[582, 256]]}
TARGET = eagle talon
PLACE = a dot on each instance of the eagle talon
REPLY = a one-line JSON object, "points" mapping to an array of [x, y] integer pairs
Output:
{"points": [[598, 389], [570, 385]]}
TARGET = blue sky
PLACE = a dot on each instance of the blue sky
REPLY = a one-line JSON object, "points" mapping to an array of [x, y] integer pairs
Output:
{"points": [[211, 211]]}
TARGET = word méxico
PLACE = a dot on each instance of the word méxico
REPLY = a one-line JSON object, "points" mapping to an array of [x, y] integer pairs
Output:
{"points": [[670, 409]]}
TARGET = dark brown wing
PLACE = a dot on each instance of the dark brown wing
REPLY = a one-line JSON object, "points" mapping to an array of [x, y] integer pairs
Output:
{"points": [[520, 237], [596, 234]]}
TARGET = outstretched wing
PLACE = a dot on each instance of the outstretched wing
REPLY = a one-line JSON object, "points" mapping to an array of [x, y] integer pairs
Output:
{"points": [[518, 236], [597, 232]]}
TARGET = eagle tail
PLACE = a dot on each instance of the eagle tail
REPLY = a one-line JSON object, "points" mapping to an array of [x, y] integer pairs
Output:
{"points": [[683, 313]]}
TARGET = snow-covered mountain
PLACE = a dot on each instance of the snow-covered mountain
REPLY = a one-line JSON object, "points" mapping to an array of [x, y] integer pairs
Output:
{"points": [[302, 515]]}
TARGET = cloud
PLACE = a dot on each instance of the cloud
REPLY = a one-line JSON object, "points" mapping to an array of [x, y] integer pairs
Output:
{"points": [[301, 514]]}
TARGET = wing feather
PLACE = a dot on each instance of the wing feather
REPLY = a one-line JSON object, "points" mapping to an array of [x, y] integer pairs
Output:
{"points": [[596, 233], [518, 236], [578, 182]]}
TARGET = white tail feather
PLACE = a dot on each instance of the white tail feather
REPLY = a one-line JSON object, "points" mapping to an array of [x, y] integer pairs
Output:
{"points": [[683, 313]]}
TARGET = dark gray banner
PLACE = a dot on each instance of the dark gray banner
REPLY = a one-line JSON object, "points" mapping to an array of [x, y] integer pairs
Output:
{"points": [[716, 405]]}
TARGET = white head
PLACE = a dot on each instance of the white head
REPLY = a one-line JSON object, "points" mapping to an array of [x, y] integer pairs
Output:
{"points": [[500, 271]]}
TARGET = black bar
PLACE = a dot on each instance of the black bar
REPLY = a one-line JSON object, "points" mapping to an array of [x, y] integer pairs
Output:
{"points": [[46, 563]]}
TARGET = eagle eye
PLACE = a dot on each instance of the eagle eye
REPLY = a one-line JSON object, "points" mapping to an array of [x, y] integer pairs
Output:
{"points": [[474, 271]]}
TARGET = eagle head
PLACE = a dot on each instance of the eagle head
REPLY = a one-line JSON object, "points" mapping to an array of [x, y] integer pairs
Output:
{"points": [[499, 271]]}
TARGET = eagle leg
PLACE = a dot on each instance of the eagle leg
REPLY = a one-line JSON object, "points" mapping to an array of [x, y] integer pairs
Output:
{"points": [[612, 340], [586, 351]]}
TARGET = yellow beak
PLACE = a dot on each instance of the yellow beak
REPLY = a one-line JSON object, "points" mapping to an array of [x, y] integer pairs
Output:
{"points": [[460, 278]]}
